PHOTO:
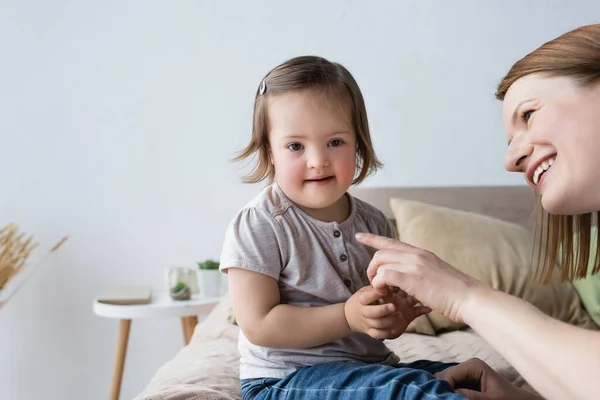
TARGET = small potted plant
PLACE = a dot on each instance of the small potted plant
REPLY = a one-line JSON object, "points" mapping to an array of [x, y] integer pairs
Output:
{"points": [[209, 278], [180, 291], [181, 282]]}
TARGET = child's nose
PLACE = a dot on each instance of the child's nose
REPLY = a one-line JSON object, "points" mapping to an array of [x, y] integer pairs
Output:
{"points": [[317, 159]]}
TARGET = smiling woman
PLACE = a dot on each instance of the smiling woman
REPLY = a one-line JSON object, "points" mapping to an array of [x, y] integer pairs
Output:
{"points": [[551, 113], [552, 118]]}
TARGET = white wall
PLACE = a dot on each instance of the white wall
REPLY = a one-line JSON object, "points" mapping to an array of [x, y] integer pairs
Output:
{"points": [[117, 119]]}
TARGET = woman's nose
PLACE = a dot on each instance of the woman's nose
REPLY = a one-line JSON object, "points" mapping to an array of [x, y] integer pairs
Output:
{"points": [[517, 156]]}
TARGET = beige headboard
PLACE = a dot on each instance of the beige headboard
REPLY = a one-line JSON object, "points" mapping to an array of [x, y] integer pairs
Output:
{"points": [[509, 203]]}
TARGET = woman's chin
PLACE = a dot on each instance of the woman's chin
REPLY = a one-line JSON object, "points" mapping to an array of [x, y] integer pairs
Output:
{"points": [[557, 202], [554, 202], [553, 208]]}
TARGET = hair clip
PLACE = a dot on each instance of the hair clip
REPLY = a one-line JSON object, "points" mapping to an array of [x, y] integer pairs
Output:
{"points": [[263, 87]]}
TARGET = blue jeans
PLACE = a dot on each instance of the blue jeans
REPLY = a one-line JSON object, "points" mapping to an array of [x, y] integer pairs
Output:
{"points": [[349, 380]]}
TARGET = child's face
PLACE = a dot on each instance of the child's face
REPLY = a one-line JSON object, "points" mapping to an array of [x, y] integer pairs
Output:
{"points": [[313, 148]]}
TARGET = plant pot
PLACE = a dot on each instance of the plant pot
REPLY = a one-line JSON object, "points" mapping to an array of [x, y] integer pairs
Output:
{"points": [[209, 282], [183, 275]]}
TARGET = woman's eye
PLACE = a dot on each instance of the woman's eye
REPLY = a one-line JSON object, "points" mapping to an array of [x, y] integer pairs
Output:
{"points": [[335, 142], [295, 147], [527, 115]]}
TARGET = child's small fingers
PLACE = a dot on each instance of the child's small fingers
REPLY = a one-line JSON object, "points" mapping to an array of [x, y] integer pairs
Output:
{"points": [[380, 323], [388, 298], [368, 296], [387, 322], [411, 301], [378, 311]]}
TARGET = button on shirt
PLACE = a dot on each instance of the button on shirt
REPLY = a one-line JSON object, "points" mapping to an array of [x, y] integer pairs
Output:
{"points": [[315, 263]]}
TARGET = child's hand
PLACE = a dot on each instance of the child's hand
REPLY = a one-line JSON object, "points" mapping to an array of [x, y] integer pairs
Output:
{"points": [[406, 310], [365, 314]]}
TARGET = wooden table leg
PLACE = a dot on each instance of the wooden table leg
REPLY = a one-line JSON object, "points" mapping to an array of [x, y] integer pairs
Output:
{"points": [[117, 378], [188, 324]]}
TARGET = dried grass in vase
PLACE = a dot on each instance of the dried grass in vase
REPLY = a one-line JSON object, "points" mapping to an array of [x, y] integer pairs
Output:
{"points": [[15, 250]]}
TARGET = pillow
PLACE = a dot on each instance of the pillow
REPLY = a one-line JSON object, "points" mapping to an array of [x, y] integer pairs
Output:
{"points": [[495, 252], [589, 288]]}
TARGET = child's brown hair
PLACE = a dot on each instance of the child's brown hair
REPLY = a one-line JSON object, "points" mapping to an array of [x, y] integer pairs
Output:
{"points": [[318, 75]]}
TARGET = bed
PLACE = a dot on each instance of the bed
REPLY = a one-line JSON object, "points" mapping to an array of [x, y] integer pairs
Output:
{"points": [[484, 231]]}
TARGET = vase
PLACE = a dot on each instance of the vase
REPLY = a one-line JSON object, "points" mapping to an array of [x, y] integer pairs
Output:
{"points": [[181, 283], [209, 282]]}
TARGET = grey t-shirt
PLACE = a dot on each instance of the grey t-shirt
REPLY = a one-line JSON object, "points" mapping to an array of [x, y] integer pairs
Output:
{"points": [[316, 263]]}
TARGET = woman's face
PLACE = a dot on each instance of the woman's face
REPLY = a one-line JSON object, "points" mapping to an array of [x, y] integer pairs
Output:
{"points": [[553, 130]]}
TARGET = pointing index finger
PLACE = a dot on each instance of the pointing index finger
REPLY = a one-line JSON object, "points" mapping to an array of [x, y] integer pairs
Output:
{"points": [[381, 242]]}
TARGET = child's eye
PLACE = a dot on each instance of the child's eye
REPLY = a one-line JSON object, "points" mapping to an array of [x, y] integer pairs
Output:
{"points": [[295, 147], [336, 142]]}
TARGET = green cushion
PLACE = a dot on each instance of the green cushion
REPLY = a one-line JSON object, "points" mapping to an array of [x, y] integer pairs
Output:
{"points": [[588, 289]]}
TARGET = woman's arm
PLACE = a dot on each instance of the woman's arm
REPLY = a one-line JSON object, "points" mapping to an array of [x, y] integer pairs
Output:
{"points": [[559, 360]]}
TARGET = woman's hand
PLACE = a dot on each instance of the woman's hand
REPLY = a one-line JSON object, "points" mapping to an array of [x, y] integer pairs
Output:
{"points": [[419, 273], [491, 385]]}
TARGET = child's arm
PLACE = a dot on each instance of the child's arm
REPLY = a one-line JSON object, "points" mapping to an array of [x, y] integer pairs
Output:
{"points": [[265, 322]]}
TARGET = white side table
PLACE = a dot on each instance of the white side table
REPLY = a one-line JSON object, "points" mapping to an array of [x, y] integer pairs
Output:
{"points": [[161, 305]]}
